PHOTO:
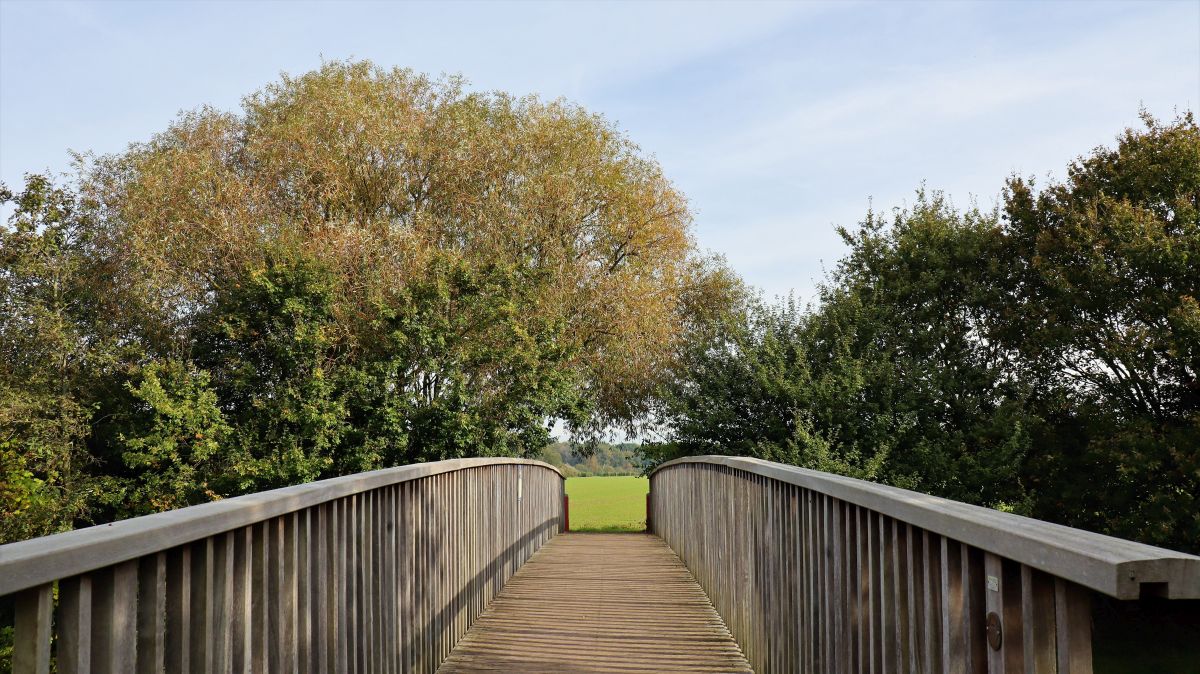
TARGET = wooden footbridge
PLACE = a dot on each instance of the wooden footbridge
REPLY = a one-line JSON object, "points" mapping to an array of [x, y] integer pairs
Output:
{"points": [[464, 566]]}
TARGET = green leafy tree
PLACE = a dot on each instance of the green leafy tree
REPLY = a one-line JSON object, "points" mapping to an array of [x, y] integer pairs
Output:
{"points": [[45, 358], [459, 370], [893, 376], [170, 443], [269, 342], [1104, 312]]}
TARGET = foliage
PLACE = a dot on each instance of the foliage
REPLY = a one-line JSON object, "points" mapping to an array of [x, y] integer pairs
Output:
{"points": [[45, 356], [599, 459], [1041, 358], [269, 341], [1105, 279], [385, 176], [360, 268], [171, 441]]}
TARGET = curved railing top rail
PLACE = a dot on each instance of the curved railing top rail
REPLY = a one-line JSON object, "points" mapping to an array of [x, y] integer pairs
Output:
{"points": [[1113, 566], [36, 561]]}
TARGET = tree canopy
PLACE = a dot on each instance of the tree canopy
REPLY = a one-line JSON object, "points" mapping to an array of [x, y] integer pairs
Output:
{"points": [[362, 267], [1040, 357], [365, 267]]}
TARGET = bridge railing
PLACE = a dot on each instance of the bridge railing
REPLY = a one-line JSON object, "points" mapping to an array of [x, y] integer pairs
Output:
{"points": [[815, 572], [381, 572]]}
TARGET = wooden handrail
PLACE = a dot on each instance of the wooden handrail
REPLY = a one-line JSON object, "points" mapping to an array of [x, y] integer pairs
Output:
{"points": [[40, 560], [818, 572], [1113, 566], [380, 570]]}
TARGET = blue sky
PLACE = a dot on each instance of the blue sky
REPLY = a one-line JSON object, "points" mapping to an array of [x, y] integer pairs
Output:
{"points": [[778, 120]]}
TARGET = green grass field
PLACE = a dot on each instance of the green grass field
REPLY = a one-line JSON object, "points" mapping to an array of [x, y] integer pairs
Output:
{"points": [[608, 503]]}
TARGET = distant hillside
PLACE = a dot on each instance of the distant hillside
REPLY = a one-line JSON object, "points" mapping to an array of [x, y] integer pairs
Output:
{"points": [[619, 459]]}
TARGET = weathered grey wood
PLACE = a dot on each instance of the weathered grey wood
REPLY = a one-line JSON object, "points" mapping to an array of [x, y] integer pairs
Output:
{"points": [[1037, 621], [1014, 631], [31, 631], [152, 614], [314, 577], [178, 609], [599, 603], [42, 560], [203, 618], [974, 590], [338, 586], [260, 600], [298, 540], [221, 638], [1073, 615], [953, 608], [1112, 566], [240, 600], [114, 620], [74, 625], [886, 595]]}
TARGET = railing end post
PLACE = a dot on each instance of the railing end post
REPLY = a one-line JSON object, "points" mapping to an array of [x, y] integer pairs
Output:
{"points": [[649, 520]]}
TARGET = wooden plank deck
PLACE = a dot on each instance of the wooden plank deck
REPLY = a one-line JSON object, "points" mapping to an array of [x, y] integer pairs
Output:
{"points": [[599, 603]]}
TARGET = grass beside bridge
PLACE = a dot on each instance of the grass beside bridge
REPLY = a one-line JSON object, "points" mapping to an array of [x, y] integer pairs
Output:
{"points": [[610, 504]]}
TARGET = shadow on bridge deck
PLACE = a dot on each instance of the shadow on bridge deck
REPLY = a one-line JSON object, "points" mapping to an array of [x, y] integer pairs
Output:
{"points": [[599, 603]]}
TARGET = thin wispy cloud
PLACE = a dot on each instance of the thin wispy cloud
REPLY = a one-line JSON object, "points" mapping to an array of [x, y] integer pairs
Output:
{"points": [[779, 120]]}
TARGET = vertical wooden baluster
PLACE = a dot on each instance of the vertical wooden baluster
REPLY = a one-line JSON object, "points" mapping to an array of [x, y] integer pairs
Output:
{"points": [[114, 620], [975, 609], [994, 603], [354, 576], [426, 576], [389, 573], [31, 630], [320, 622], [364, 634], [318, 635], [224, 579], [408, 620], [261, 574], [878, 603], [954, 652], [446, 552], [933, 599], [380, 580], [913, 593], [74, 625], [862, 576], [1073, 627], [179, 609], [816, 589], [888, 643], [851, 589], [201, 619], [152, 614], [1014, 632], [239, 616], [340, 600], [300, 538], [829, 613], [1037, 620]]}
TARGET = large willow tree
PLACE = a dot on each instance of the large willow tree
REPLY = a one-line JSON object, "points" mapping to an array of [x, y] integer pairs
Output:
{"points": [[366, 267]]}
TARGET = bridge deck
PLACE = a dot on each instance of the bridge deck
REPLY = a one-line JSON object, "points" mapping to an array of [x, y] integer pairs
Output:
{"points": [[599, 603]]}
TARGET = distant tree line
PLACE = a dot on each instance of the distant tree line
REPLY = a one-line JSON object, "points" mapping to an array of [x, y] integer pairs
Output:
{"points": [[594, 459], [1040, 357], [361, 268]]}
